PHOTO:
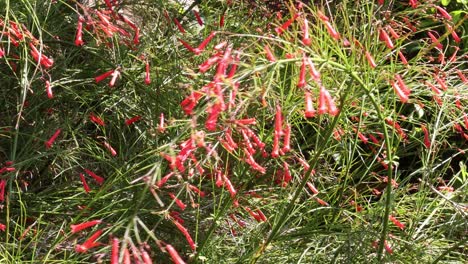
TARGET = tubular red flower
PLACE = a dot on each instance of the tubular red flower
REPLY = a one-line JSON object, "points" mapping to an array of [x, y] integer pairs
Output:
{"points": [[383, 36], [435, 41], [402, 58], [174, 255], [85, 184], [396, 222], [110, 149], [52, 139], [322, 202], [88, 244], [40, 58], [427, 141], [333, 33], [305, 31], [50, 94], [79, 32], [312, 188], [402, 95], [370, 60], [179, 203], [221, 20], [186, 234], [441, 82], [214, 112], [198, 17], [227, 183], [206, 65], [97, 178], [147, 74], [253, 164], [115, 75], [78, 227], [115, 251], [269, 54], [205, 42], [443, 12], [322, 105], [132, 120], [97, 120], [392, 32], [103, 76], [187, 46], [309, 106], [278, 132], [179, 26], [454, 34], [413, 3], [402, 85], [247, 144], [282, 28], [312, 71], [322, 17], [161, 127], [302, 73], [3, 183]]}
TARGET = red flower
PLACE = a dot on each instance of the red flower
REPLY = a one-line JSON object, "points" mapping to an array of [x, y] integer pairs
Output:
{"points": [[309, 106], [132, 120], [174, 255], [103, 76], [402, 95], [205, 42], [269, 54], [78, 227], [115, 75], [333, 33], [40, 58], [79, 32], [427, 141], [50, 94], [179, 26], [383, 36], [85, 184], [305, 38], [3, 183], [88, 244], [52, 139], [147, 74], [179, 203], [115, 251], [282, 28], [402, 58], [96, 119], [186, 234], [302, 73], [370, 60], [99, 179], [443, 12], [197, 16], [110, 149], [434, 40]]}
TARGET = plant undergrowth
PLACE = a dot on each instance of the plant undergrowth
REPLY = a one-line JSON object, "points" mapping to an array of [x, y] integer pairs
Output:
{"points": [[233, 131]]}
